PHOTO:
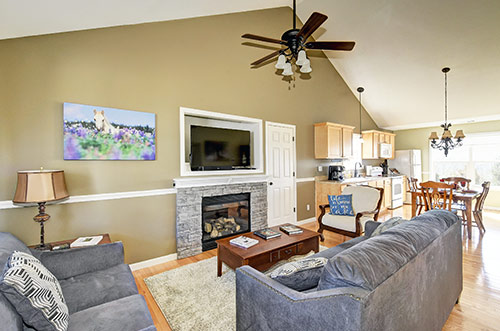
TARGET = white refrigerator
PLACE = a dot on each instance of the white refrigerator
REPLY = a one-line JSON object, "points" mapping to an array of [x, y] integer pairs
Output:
{"points": [[409, 163]]}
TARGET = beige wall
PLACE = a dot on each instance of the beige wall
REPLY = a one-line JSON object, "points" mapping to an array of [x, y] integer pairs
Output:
{"points": [[418, 139], [199, 63]]}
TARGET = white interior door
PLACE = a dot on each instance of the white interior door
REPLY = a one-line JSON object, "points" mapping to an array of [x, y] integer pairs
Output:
{"points": [[280, 167]]}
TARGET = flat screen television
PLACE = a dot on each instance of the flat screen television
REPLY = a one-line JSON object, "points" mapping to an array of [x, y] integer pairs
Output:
{"points": [[219, 149]]}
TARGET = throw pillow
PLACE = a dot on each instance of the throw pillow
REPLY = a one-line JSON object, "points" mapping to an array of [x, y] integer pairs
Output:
{"points": [[300, 275], [384, 226], [341, 204], [35, 293]]}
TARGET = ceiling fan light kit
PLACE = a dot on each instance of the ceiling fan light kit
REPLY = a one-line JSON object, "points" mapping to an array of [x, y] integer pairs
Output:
{"points": [[295, 43], [447, 142]]}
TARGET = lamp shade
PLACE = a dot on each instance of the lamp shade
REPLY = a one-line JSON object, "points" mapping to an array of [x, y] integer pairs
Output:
{"points": [[306, 67], [434, 135], [281, 62], [459, 134], [287, 71], [35, 186], [447, 134], [301, 58]]}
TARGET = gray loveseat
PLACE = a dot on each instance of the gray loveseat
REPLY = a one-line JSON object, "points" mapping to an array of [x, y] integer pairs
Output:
{"points": [[98, 287], [406, 278]]}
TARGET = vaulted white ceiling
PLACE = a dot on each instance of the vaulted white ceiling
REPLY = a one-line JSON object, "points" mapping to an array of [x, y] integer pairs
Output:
{"points": [[401, 45]]}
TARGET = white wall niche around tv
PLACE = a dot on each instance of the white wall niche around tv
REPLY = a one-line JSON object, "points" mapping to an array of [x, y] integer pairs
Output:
{"points": [[189, 117]]}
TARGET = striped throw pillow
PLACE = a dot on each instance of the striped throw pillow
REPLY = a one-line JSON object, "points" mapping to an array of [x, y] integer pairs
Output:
{"points": [[35, 293]]}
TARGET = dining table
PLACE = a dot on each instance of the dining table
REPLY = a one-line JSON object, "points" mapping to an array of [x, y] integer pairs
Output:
{"points": [[465, 197]]}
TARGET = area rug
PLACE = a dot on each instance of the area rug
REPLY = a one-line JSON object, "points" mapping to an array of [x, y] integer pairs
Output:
{"points": [[192, 297]]}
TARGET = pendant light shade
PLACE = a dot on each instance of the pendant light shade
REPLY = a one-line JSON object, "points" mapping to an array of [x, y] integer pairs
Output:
{"points": [[281, 62], [306, 67], [287, 71], [301, 58]]}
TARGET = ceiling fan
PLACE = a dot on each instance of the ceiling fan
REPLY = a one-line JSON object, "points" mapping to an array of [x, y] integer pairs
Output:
{"points": [[296, 44]]}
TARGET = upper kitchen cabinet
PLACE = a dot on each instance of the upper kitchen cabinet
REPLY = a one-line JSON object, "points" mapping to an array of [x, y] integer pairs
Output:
{"points": [[333, 141], [378, 145]]}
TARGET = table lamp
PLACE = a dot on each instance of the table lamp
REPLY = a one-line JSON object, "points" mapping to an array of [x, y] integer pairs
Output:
{"points": [[40, 186]]}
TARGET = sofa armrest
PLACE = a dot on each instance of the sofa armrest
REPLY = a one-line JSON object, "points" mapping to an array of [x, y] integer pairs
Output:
{"points": [[76, 261], [370, 226], [264, 304]]}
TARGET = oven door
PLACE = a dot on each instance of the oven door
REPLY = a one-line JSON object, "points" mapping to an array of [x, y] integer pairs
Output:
{"points": [[397, 192]]}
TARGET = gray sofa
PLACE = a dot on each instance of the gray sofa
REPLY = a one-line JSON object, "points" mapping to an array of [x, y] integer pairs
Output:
{"points": [[98, 287], [406, 278]]}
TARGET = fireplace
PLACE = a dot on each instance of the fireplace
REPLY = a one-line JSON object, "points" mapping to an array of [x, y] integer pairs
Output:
{"points": [[224, 216]]}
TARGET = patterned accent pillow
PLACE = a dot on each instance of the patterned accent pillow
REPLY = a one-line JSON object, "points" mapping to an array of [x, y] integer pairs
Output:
{"points": [[35, 293], [341, 205], [384, 226], [300, 275]]}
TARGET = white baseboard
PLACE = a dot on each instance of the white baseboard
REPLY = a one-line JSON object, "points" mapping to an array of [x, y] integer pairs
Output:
{"points": [[307, 220], [153, 262]]}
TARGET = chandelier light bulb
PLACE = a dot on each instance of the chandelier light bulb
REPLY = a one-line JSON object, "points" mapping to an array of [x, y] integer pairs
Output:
{"points": [[281, 62], [287, 71], [306, 67], [301, 58]]}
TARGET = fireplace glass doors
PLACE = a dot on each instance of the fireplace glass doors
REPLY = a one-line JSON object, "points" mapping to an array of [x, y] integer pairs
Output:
{"points": [[224, 216]]}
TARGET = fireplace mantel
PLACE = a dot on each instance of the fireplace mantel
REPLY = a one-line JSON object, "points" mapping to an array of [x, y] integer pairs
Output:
{"points": [[218, 180]]}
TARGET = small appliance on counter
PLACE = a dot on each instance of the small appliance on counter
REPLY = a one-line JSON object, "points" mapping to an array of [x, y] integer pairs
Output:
{"points": [[336, 172], [385, 168], [373, 171]]}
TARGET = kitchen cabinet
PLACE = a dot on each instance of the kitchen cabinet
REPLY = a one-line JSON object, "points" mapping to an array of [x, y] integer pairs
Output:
{"points": [[372, 140], [333, 141]]}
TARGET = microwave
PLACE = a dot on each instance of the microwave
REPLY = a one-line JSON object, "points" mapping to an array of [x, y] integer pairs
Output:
{"points": [[385, 151]]}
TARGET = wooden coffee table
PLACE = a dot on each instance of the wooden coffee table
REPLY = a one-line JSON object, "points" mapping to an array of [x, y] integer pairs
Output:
{"points": [[267, 252]]}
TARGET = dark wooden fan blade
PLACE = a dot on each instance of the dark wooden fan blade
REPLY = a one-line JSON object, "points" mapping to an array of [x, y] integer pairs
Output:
{"points": [[269, 40], [267, 57], [314, 22], [332, 45]]}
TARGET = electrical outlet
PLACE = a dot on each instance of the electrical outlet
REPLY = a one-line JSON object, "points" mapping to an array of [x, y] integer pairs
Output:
{"points": [[320, 168], [308, 207]]}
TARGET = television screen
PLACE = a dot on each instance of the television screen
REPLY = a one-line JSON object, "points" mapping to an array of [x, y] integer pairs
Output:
{"points": [[219, 149]]}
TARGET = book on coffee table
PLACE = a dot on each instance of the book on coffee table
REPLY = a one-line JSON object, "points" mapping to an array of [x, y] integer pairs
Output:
{"points": [[267, 233], [243, 242], [290, 229]]}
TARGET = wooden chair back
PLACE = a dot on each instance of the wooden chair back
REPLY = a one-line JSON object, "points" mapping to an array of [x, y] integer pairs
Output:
{"points": [[437, 195], [482, 197], [462, 181], [413, 184]]}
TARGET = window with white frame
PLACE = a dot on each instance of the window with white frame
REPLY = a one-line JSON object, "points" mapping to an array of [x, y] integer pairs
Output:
{"points": [[478, 159]]}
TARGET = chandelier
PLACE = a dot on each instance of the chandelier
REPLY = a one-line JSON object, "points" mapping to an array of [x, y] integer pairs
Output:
{"points": [[447, 142]]}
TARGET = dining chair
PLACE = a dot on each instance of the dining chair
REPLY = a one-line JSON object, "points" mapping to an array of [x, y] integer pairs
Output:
{"points": [[457, 181], [478, 209], [413, 185], [437, 195]]}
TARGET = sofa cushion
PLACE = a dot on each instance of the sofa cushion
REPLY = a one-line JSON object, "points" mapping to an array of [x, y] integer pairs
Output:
{"points": [[126, 314], [8, 244], [300, 275], [95, 288], [367, 264], [347, 223], [391, 222], [34, 292], [341, 204]]}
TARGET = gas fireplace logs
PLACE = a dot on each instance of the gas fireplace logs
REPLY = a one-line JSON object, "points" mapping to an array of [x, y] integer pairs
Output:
{"points": [[221, 226]]}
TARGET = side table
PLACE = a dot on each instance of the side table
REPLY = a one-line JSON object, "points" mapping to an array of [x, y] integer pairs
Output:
{"points": [[105, 240]]}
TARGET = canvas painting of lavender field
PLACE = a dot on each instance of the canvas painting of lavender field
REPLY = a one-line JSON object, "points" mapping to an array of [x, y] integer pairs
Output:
{"points": [[100, 133]]}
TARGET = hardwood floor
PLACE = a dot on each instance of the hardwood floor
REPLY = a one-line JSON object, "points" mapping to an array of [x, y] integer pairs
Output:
{"points": [[479, 307]]}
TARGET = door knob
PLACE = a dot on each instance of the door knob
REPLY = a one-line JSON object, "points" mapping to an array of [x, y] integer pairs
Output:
{"points": [[270, 183]]}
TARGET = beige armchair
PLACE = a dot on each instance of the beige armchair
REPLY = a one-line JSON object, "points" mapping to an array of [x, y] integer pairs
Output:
{"points": [[366, 201]]}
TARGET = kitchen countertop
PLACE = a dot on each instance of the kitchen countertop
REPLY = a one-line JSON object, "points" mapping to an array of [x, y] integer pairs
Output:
{"points": [[359, 179]]}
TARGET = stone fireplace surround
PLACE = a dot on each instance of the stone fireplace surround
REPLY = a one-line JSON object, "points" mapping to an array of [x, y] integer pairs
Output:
{"points": [[190, 192]]}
